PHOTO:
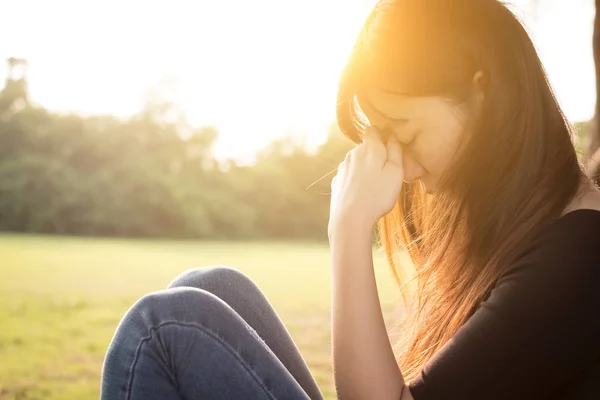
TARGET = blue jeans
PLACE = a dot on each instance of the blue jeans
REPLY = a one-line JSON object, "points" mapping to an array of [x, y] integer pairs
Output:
{"points": [[211, 335]]}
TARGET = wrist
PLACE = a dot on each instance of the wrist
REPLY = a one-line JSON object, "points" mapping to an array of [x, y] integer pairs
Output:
{"points": [[350, 228]]}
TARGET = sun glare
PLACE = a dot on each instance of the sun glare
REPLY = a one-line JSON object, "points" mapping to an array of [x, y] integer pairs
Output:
{"points": [[256, 70]]}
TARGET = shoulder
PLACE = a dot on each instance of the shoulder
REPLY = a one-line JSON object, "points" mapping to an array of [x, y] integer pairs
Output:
{"points": [[589, 199], [575, 231], [564, 259], [539, 327], [570, 237], [574, 240]]}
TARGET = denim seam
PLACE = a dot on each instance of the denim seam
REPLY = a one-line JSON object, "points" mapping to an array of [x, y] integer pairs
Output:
{"points": [[205, 331]]}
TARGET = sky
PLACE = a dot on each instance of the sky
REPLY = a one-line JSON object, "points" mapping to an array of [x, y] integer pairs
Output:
{"points": [[256, 70]]}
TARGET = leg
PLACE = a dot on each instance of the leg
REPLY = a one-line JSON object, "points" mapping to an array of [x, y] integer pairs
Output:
{"points": [[187, 344], [237, 290]]}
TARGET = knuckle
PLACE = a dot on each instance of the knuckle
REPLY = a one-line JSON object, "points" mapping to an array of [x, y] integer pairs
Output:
{"points": [[371, 130], [348, 156], [375, 150]]}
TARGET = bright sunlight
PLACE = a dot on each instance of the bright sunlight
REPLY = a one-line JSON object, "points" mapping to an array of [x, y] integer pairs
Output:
{"points": [[256, 70]]}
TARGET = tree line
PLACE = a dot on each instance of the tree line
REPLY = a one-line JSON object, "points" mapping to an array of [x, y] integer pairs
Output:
{"points": [[152, 176]]}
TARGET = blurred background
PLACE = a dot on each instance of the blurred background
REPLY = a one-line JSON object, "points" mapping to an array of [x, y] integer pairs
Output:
{"points": [[141, 139]]}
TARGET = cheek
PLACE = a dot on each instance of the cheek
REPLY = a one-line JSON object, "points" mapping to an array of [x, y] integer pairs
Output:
{"points": [[437, 152]]}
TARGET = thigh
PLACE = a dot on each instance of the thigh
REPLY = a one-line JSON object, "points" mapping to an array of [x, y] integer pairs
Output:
{"points": [[187, 344], [243, 295]]}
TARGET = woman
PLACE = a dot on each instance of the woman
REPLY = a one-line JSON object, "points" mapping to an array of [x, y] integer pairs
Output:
{"points": [[466, 159]]}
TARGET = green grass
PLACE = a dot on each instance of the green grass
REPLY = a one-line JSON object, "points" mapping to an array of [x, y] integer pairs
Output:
{"points": [[61, 299]]}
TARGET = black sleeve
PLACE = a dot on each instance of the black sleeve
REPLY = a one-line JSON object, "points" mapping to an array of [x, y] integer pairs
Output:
{"points": [[539, 327]]}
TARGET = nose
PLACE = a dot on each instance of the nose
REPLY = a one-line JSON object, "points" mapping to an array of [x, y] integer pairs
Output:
{"points": [[412, 169]]}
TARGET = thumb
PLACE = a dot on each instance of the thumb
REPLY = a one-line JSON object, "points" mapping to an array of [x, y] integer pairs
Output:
{"points": [[394, 151]]}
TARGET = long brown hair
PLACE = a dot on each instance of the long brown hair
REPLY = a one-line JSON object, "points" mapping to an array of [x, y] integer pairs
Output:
{"points": [[515, 175]]}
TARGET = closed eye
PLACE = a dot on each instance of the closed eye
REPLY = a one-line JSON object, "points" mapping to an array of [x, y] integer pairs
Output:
{"points": [[387, 132], [364, 101]]}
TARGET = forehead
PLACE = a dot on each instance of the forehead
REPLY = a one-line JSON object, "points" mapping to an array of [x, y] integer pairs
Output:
{"points": [[376, 101]]}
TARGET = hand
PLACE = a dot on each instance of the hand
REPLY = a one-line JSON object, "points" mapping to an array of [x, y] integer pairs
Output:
{"points": [[367, 184]]}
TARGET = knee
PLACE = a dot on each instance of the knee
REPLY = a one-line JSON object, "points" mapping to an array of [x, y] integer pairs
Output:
{"points": [[214, 278], [178, 306], [138, 324], [174, 304]]}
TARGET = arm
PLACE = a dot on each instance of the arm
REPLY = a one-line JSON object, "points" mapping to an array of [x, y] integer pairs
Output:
{"points": [[366, 187], [363, 360]]}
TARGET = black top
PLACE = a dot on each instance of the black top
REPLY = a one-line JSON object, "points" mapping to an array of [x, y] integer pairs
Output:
{"points": [[537, 335]]}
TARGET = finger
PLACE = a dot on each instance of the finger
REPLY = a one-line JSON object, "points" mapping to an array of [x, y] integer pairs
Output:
{"points": [[372, 135], [394, 150], [347, 158], [373, 143], [341, 171]]}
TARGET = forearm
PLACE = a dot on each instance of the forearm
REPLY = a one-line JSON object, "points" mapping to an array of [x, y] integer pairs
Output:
{"points": [[364, 363]]}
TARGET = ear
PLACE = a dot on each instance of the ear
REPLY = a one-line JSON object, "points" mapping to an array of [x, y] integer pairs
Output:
{"points": [[479, 81], [479, 85]]}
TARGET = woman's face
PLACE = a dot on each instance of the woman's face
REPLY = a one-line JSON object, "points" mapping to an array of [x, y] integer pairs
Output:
{"points": [[430, 129]]}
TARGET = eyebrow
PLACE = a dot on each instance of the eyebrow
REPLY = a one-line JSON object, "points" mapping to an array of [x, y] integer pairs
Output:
{"points": [[370, 105]]}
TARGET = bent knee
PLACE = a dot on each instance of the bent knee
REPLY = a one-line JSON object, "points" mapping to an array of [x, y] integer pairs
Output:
{"points": [[175, 304], [170, 307], [213, 278]]}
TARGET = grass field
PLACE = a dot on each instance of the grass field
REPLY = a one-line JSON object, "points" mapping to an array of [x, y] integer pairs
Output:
{"points": [[61, 298]]}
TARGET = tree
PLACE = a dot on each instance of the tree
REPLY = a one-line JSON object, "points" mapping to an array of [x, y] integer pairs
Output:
{"points": [[592, 136], [153, 175], [14, 94], [594, 140]]}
